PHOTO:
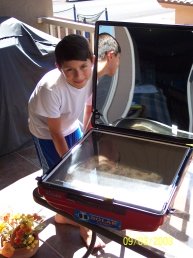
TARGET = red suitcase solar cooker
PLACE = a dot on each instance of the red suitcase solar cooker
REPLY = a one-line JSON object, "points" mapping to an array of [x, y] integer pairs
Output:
{"points": [[125, 172]]}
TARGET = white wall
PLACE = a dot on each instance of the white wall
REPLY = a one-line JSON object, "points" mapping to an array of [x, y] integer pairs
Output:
{"points": [[27, 11]]}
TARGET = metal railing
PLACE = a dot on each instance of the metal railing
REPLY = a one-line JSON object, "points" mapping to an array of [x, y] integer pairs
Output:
{"points": [[91, 18], [59, 27], [71, 10]]}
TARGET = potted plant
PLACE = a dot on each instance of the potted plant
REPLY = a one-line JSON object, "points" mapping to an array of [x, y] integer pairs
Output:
{"points": [[19, 234]]}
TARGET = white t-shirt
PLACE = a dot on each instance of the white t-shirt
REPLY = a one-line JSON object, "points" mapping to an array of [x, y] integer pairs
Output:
{"points": [[53, 97]]}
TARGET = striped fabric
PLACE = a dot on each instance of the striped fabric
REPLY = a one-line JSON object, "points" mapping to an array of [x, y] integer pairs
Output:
{"points": [[180, 2]]}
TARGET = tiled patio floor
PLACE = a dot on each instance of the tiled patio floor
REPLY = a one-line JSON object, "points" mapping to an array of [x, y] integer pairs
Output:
{"points": [[18, 171]]}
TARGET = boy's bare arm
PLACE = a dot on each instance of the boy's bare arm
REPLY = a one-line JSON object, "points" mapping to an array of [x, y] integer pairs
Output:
{"points": [[87, 118], [55, 128]]}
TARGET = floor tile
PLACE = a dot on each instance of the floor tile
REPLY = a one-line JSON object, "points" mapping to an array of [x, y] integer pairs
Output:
{"points": [[29, 154], [47, 252], [12, 168]]}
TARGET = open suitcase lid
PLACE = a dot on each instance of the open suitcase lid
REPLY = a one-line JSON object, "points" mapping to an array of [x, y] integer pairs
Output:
{"points": [[142, 121], [151, 93]]}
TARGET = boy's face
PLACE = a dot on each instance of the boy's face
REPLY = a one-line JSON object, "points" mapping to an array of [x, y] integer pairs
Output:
{"points": [[77, 72]]}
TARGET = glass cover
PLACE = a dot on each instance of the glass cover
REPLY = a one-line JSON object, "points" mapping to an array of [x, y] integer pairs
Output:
{"points": [[127, 170], [151, 87]]}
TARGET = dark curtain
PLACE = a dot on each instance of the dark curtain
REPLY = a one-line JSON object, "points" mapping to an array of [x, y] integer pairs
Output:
{"points": [[26, 54]]}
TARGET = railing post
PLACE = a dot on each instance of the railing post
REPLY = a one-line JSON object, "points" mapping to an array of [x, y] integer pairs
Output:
{"points": [[74, 10], [106, 14]]}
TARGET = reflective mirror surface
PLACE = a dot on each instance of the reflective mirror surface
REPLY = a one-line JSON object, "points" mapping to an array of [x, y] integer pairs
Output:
{"points": [[147, 84]]}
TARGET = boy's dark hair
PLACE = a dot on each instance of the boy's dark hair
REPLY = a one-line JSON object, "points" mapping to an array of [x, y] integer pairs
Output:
{"points": [[106, 43], [72, 47]]}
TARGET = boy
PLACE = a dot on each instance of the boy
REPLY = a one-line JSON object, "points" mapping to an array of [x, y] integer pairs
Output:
{"points": [[59, 99], [56, 105]]}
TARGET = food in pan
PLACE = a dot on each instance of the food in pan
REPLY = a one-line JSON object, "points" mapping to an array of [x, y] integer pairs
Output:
{"points": [[103, 166]]}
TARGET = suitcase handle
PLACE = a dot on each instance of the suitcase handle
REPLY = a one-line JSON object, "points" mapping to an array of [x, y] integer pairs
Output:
{"points": [[106, 204]]}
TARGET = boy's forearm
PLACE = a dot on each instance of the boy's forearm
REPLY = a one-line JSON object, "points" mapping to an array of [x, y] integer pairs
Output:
{"points": [[87, 117], [55, 129]]}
